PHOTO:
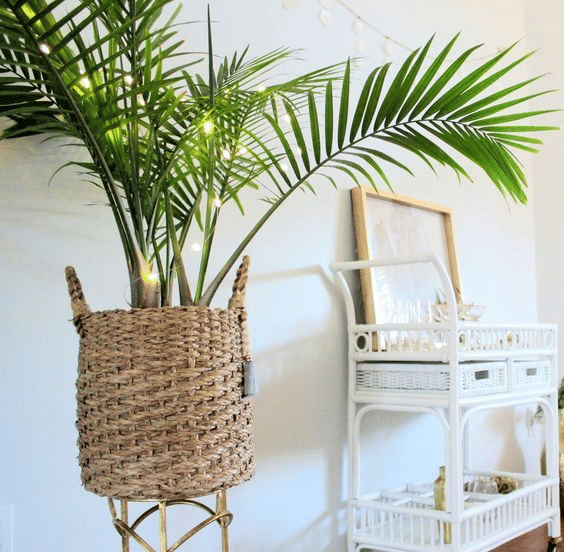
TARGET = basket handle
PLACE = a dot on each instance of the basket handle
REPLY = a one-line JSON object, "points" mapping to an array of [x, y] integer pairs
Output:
{"points": [[237, 301], [78, 301], [238, 297]]}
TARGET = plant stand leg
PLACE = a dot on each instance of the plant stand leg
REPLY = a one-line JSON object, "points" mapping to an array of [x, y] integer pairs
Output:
{"points": [[128, 531], [224, 519], [162, 525], [125, 518]]}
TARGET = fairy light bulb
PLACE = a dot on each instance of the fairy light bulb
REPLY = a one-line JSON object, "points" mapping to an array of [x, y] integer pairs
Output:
{"points": [[284, 166], [44, 49], [196, 247], [128, 79], [149, 277], [358, 63], [359, 44], [208, 127], [386, 47], [85, 82], [325, 17], [152, 278], [286, 118], [216, 202], [289, 4], [357, 26]]}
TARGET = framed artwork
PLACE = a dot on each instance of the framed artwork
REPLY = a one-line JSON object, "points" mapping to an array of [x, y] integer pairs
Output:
{"points": [[390, 225]]}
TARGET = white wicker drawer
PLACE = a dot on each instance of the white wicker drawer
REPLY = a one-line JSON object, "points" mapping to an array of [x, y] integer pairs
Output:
{"points": [[484, 378], [477, 378], [532, 373]]}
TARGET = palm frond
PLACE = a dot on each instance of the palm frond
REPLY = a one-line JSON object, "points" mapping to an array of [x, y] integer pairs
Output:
{"points": [[171, 147], [425, 115]]}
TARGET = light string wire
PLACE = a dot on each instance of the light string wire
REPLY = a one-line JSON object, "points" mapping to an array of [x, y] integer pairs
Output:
{"points": [[358, 17]]}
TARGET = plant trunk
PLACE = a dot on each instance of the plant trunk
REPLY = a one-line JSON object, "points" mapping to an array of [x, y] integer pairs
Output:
{"points": [[144, 288]]}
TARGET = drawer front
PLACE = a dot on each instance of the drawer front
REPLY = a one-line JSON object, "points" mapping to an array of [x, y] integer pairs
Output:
{"points": [[532, 373], [476, 378], [402, 377], [483, 378]]}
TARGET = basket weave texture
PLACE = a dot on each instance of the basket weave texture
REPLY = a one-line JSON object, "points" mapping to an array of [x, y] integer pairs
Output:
{"points": [[160, 407]]}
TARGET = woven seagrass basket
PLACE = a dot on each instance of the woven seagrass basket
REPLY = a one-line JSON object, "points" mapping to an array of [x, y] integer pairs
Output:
{"points": [[161, 413]]}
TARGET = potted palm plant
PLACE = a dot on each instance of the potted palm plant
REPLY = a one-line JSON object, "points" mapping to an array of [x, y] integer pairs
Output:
{"points": [[171, 148]]}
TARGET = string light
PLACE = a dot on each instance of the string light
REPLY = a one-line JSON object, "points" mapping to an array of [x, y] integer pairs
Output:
{"points": [[325, 17], [149, 277], [45, 49], [85, 82], [152, 278], [284, 166], [128, 79], [358, 24], [289, 4], [217, 202], [359, 44], [386, 48], [196, 247], [208, 127]]}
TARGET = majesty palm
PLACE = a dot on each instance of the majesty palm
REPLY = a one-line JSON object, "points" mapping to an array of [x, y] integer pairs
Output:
{"points": [[171, 148]]}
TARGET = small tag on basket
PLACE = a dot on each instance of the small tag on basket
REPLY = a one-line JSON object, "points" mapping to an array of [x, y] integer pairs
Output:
{"points": [[251, 387]]}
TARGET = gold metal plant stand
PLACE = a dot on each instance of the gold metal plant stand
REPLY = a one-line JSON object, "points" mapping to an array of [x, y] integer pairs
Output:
{"points": [[127, 532]]}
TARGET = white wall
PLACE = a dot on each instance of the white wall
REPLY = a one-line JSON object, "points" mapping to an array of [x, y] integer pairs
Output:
{"points": [[545, 22], [295, 502]]}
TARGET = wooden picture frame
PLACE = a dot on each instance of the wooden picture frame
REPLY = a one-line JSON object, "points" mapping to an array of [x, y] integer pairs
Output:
{"points": [[388, 225]]}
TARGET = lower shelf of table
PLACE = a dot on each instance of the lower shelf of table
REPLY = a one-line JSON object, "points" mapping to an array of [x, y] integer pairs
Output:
{"points": [[405, 518]]}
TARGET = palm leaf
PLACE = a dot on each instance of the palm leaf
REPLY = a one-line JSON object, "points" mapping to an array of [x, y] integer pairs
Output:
{"points": [[362, 105], [299, 136], [425, 81], [328, 118], [395, 96], [440, 82], [374, 98], [344, 106], [314, 127]]}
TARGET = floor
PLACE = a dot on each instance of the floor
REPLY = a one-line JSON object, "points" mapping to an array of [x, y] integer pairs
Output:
{"points": [[535, 541]]}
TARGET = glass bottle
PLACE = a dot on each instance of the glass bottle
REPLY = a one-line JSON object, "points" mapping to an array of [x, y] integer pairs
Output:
{"points": [[440, 501]]}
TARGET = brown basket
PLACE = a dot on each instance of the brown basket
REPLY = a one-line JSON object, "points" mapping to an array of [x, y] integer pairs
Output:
{"points": [[161, 412]]}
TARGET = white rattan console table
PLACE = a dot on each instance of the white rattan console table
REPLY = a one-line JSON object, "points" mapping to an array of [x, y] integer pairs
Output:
{"points": [[452, 370]]}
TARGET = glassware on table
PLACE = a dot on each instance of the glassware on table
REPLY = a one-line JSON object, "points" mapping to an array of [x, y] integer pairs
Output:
{"points": [[483, 485]]}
